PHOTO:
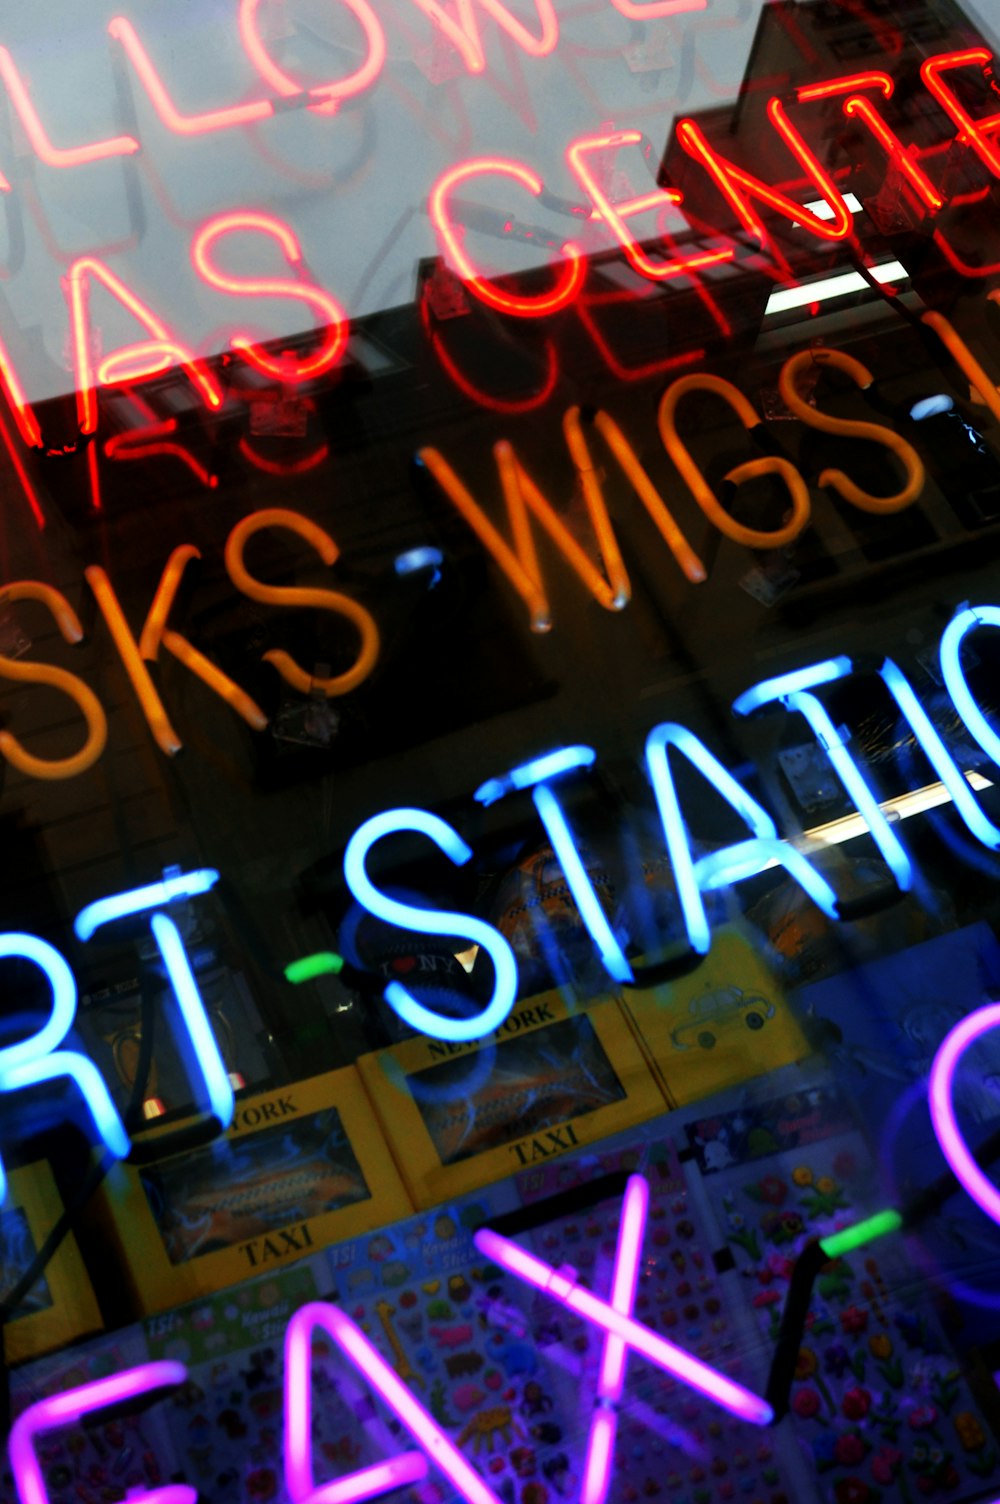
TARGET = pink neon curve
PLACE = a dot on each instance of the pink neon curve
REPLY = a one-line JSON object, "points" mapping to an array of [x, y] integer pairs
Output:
{"points": [[615, 215], [939, 1091], [55, 156], [134, 362], [568, 282], [462, 30], [68, 1409], [611, 1375], [334, 341], [561, 1285], [407, 1467], [183, 125], [328, 96]]}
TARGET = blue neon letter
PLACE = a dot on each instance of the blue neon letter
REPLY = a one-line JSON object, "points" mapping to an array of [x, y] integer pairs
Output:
{"points": [[535, 775], [794, 692], [38, 1058], [207, 1058], [732, 863], [431, 922], [939, 757], [954, 678]]}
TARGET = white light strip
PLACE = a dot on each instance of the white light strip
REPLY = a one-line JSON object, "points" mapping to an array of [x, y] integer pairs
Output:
{"points": [[849, 827], [833, 287], [822, 210]]}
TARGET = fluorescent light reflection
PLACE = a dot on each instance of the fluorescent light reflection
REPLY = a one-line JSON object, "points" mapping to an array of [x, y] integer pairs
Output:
{"points": [[833, 287]]}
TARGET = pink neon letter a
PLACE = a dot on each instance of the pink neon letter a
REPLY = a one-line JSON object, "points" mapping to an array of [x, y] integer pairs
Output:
{"points": [[367, 1482]]}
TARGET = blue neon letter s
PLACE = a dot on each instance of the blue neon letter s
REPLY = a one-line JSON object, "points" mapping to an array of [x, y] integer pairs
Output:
{"points": [[431, 922]]}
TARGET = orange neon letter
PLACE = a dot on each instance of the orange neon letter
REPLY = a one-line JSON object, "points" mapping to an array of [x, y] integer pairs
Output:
{"points": [[877, 433], [183, 125], [963, 357], [769, 465], [612, 589], [739, 187], [971, 132], [327, 310], [328, 96], [152, 706], [55, 156], [134, 362], [614, 215], [55, 678], [570, 278], [464, 33], [156, 632], [322, 600]]}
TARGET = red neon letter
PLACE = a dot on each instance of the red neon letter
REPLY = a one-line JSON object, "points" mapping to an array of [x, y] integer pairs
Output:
{"points": [[24, 416], [849, 84], [183, 125], [970, 132], [864, 110], [570, 279], [738, 187], [327, 95], [134, 362], [636, 12], [329, 312], [55, 156], [464, 32], [615, 215]]}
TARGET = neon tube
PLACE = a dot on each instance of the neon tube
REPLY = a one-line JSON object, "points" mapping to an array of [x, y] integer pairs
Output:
{"points": [[744, 859], [462, 29], [431, 922], [561, 1285], [703, 494], [323, 600], [327, 309], [611, 1377], [56, 678], [408, 1467], [213, 1070], [862, 1233], [322, 963], [876, 433], [940, 1085], [936, 752], [569, 280], [55, 156], [328, 96], [138, 900], [579, 883], [152, 706], [614, 215], [70, 1407], [971, 132], [793, 690], [38, 1057], [954, 676], [182, 125], [527, 774]]}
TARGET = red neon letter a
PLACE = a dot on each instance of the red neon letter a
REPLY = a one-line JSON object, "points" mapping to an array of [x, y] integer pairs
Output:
{"points": [[133, 362], [368, 1482]]}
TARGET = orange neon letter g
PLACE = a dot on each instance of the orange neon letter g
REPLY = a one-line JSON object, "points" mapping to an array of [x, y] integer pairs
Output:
{"points": [[570, 278]]}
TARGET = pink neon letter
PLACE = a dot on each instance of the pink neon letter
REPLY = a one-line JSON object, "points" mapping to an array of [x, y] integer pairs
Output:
{"points": [[328, 96], [366, 1483], [939, 1090], [561, 1285], [463, 31], [328, 312], [611, 1377], [69, 1408]]}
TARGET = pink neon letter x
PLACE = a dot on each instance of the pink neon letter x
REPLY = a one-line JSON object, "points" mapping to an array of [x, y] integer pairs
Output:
{"points": [[68, 1408], [616, 1321]]}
